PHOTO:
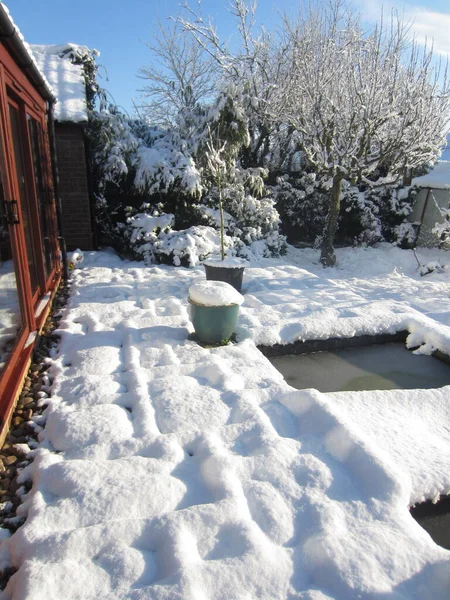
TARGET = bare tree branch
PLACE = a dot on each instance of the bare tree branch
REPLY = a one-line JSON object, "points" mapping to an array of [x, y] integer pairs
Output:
{"points": [[181, 75], [361, 101]]}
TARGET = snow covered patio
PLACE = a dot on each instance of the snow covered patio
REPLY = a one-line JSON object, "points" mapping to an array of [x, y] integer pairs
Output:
{"points": [[171, 471]]}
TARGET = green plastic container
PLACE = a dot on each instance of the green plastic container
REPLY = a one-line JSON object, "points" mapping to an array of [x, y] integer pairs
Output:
{"points": [[214, 324]]}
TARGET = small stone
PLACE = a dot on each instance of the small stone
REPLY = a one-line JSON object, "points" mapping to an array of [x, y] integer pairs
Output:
{"points": [[10, 472], [17, 421], [28, 414], [2, 494], [19, 431], [14, 486], [25, 401], [6, 507], [5, 483], [14, 523], [2, 465], [27, 381], [10, 460], [19, 451]]}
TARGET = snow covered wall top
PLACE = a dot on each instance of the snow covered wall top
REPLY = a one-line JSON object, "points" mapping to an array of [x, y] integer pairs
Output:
{"points": [[66, 79]]}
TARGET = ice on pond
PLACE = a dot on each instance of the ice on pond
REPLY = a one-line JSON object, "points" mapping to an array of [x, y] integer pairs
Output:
{"points": [[377, 367]]}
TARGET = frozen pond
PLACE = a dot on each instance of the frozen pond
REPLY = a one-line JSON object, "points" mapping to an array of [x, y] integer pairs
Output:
{"points": [[377, 367]]}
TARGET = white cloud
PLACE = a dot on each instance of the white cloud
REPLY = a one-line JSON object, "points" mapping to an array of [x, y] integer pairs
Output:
{"points": [[427, 25], [433, 26]]}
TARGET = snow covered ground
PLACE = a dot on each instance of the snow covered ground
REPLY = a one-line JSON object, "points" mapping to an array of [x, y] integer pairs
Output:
{"points": [[171, 471]]}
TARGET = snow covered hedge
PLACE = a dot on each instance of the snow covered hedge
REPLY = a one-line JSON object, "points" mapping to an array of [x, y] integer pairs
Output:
{"points": [[157, 198], [368, 214], [146, 176], [157, 201], [251, 230]]}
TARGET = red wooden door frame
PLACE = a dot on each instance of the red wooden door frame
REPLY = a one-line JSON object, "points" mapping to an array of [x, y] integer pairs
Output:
{"points": [[29, 199], [11, 192], [16, 90], [11, 372], [45, 160]]}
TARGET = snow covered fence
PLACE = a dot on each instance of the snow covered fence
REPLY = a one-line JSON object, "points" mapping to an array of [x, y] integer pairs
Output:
{"points": [[431, 204]]}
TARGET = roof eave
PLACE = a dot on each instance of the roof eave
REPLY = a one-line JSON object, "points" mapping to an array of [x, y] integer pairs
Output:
{"points": [[10, 38]]}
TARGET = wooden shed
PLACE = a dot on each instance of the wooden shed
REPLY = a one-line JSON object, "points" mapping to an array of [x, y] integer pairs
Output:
{"points": [[30, 264]]}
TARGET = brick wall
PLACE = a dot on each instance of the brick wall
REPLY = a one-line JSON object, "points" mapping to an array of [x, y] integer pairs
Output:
{"points": [[74, 190]]}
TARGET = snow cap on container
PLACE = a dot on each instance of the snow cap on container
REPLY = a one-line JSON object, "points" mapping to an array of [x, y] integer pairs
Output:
{"points": [[214, 293]]}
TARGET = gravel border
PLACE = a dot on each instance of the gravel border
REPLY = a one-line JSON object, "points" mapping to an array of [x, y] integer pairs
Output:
{"points": [[26, 423]]}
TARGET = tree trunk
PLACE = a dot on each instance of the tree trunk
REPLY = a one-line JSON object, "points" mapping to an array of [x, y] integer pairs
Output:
{"points": [[328, 255]]}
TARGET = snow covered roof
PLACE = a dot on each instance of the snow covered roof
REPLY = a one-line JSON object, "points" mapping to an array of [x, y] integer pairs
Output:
{"points": [[66, 79], [14, 41], [438, 178]]}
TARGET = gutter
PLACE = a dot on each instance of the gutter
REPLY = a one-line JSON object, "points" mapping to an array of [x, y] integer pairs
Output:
{"points": [[55, 173], [11, 38], [90, 182]]}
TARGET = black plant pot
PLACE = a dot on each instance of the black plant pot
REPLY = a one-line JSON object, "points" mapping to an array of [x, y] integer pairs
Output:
{"points": [[229, 274]]}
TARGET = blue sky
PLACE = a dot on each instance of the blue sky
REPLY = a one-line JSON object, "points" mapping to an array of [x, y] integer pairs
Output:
{"points": [[119, 29]]}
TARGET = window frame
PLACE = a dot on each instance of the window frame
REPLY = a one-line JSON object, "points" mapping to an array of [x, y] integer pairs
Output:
{"points": [[16, 90]]}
